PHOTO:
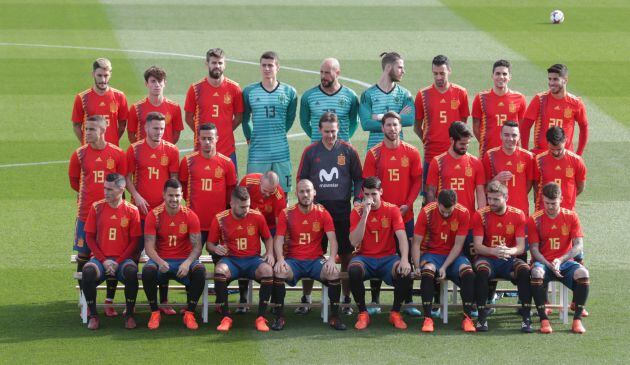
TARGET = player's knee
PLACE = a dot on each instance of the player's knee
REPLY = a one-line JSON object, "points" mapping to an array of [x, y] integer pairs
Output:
{"points": [[581, 273], [130, 272], [521, 268], [465, 269], [482, 268], [355, 272], [538, 273], [90, 272], [264, 270], [149, 272], [223, 270], [429, 267]]}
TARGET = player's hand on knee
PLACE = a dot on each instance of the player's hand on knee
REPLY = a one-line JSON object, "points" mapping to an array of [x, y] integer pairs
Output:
{"points": [[442, 273], [183, 270], [404, 268], [269, 259], [281, 266], [330, 267], [164, 266], [220, 250]]}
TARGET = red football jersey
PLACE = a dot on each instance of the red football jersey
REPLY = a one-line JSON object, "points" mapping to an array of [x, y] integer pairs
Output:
{"points": [[492, 111], [382, 223], [112, 105], [520, 164], [462, 175], [217, 105], [172, 232], [241, 236], [207, 183], [566, 172], [545, 111], [499, 230], [437, 112], [117, 230], [303, 233], [270, 207], [438, 232], [554, 235], [151, 168], [91, 166], [400, 171], [138, 118]]}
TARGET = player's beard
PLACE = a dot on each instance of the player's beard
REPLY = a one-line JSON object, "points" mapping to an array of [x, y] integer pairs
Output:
{"points": [[306, 205], [102, 86], [215, 73], [327, 83], [392, 137], [460, 151], [394, 77]]}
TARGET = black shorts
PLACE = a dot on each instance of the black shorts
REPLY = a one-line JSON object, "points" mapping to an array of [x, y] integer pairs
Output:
{"points": [[342, 231]]}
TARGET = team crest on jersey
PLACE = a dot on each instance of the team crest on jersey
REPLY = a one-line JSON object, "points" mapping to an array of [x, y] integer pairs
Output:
{"points": [[385, 222], [111, 163], [454, 104], [164, 160], [227, 99], [454, 225], [124, 222], [316, 227], [396, 99], [468, 171], [512, 108], [218, 173], [282, 98], [251, 230], [564, 230], [168, 117], [570, 172], [342, 101], [404, 161], [113, 107], [520, 167], [183, 228], [568, 113], [80, 242], [509, 229], [268, 208], [341, 160]]}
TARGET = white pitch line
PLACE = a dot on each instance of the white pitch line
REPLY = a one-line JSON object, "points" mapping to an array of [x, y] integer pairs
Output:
{"points": [[35, 45]]}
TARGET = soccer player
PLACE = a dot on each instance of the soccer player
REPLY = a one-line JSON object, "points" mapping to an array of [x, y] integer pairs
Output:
{"points": [[334, 167], [112, 232], [438, 242], [267, 197], [329, 96], [301, 228], [89, 165], [398, 166], [235, 234], [438, 106], [512, 166], [458, 170], [270, 108], [384, 96], [101, 99], [555, 236], [499, 237], [172, 240], [155, 82], [218, 100], [208, 178], [555, 107], [150, 163], [561, 166], [374, 227], [492, 108]]}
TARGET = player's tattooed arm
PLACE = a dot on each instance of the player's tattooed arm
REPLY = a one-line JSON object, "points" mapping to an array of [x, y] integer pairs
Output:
{"points": [[578, 246]]}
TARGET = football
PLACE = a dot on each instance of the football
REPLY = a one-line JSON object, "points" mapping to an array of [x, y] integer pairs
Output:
{"points": [[556, 17]]}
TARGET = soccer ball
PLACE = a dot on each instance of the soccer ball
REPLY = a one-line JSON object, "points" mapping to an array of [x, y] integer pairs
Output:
{"points": [[556, 17]]}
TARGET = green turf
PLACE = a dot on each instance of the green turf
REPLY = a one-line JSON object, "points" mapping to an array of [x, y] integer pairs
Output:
{"points": [[38, 315]]}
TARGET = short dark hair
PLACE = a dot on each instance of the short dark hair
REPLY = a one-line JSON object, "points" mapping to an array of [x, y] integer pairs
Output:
{"points": [[240, 193], [155, 71], [510, 123], [103, 63], [440, 60], [552, 190], [214, 52], [555, 135], [96, 118], [372, 182], [391, 114], [117, 179], [270, 55], [459, 130], [502, 63], [173, 184], [155, 116], [388, 58], [207, 127], [328, 117], [447, 198], [559, 69]]}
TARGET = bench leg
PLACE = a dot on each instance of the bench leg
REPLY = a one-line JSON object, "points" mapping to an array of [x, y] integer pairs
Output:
{"points": [[444, 300], [250, 293], [84, 309], [325, 303], [564, 298], [204, 301]]}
